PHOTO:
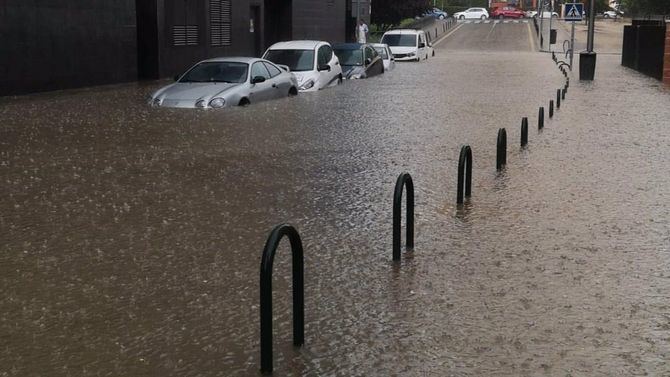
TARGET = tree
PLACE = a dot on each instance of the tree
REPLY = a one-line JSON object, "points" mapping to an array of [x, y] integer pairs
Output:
{"points": [[647, 6], [391, 12]]}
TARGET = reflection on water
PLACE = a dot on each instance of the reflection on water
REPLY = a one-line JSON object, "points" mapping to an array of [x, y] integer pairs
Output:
{"points": [[132, 236]]}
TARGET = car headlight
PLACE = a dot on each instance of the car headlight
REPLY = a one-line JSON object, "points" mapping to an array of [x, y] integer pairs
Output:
{"points": [[307, 85], [411, 54], [200, 103], [156, 102], [217, 102]]}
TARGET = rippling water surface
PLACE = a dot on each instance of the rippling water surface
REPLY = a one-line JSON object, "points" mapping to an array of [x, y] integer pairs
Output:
{"points": [[132, 236]]}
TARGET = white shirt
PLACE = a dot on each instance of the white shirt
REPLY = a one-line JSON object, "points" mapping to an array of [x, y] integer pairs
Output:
{"points": [[362, 33]]}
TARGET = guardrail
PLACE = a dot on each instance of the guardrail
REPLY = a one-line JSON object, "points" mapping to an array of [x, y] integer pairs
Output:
{"points": [[464, 186], [404, 179], [267, 262], [501, 149]]}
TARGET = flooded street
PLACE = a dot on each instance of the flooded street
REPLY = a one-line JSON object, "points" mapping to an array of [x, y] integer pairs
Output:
{"points": [[132, 236]]}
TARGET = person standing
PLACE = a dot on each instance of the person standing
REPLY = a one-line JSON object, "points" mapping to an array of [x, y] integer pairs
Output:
{"points": [[362, 31]]}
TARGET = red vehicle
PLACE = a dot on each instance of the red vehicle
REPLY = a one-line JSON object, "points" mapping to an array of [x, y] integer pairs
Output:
{"points": [[507, 12]]}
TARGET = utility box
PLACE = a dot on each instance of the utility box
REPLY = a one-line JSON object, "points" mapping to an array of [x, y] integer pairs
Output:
{"points": [[552, 36]]}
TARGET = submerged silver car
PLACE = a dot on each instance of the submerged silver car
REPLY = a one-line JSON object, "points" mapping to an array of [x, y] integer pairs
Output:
{"points": [[225, 82]]}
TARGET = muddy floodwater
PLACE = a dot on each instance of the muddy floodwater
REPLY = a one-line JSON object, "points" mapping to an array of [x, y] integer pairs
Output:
{"points": [[132, 236]]}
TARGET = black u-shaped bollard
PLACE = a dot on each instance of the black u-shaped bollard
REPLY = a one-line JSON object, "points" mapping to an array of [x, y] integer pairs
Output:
{"points": [[563, 93], [404, 179], [524, 131], [464, 174], [558, 98], [540, 118], [266, 291], [501, 149], [551, 108]]}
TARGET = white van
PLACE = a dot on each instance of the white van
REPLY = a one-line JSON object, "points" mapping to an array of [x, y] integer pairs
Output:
{"points": [[408, 44]]}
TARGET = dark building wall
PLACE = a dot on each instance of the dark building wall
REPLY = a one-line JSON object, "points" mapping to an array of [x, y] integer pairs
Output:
{"points": [[56, 44], [59, 44], [320, 20]]}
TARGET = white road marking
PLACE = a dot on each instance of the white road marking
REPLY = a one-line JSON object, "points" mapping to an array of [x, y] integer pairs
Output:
{"points": [[446, 35]]}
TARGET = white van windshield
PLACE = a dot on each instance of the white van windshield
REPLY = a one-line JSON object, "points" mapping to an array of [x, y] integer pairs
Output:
{"points": [[400, 40]]}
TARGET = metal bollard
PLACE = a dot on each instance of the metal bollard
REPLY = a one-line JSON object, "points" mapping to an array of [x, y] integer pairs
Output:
{"points": [[563, 94], [524, 131], [403, 179], [551, 108], [540, 119], [266, 291], [464, 174], [558, 98], [501, 149]]}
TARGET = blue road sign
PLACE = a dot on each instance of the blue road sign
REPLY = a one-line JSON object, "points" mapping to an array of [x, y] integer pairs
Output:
{"points": [[574, 11]]}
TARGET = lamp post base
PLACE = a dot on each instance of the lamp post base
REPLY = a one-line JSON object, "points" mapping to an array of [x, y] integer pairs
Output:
{"points": [[587, 65]]}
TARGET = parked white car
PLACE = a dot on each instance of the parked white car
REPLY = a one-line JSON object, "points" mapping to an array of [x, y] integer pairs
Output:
{"points": [[472, 13], [313, 63], [546, 14], [385, 52], [226, 82], [408, 44]]}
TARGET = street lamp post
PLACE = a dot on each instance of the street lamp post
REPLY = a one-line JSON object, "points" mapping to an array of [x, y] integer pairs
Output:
{"points": [[587, 59]]}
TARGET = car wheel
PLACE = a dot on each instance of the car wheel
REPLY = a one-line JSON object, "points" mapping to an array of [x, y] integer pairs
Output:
{"points": [[483, 17], [339, 80], [461, 17], [292, 92], [244, 102], [501, 17], [441, 17], [607, 16]]}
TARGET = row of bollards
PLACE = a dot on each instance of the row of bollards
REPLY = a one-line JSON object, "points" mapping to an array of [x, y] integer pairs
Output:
{"points": [[464, 190]]}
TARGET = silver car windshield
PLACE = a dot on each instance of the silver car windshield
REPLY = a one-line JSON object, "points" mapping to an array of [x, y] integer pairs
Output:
{"points": [[400, 40], [350, 57], [229, 72], [296, 60]]}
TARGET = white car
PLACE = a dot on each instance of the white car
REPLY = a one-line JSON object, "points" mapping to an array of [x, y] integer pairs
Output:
{"points": [[472, 13], [546, 14], [408, 44], [313, 63], [385, 52], [612, 14]]}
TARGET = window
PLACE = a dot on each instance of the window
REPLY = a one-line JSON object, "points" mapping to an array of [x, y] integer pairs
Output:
{"points": [[231, 72], [382, 52], [184, 21], [258, 69], [274, 71], [296, 60], [400, 40], [325, 54], [220, 15]]}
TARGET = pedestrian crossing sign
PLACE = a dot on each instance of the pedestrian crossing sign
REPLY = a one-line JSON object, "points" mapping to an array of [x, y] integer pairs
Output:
{"points": [[574, 11]]}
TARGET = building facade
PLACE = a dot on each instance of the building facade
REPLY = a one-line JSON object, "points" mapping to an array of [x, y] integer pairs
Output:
{"points": [[58, 44]]}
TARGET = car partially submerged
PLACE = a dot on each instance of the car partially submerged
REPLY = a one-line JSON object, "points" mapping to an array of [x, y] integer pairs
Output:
{"points": [[312, 62], [225, 82], [359, 60], [385, 53]]}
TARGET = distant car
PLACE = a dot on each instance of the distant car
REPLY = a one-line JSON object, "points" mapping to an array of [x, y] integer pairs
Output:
{"points": [[546, 14], [472, 13], [359, 60], [226, 82], [408, 44], [385, 53], [612, 14], [437, 13], [312, 62], [507, 12]]}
